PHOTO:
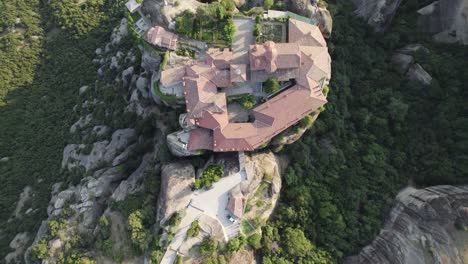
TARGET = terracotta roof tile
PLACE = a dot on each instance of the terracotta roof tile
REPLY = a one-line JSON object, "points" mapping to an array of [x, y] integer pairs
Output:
{"points": [[305, 34], [160, 37], [307, 60], [200, 138]]}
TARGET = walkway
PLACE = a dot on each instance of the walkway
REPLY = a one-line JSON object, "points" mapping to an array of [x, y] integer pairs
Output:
{"points": [[243, 38]]}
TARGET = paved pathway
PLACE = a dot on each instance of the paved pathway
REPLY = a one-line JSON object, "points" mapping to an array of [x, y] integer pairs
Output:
{"points": [[212, 203], [242, 39]]}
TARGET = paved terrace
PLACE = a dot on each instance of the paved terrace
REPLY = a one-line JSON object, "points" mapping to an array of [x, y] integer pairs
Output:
{"points": [[243, 38], [212, 203]]}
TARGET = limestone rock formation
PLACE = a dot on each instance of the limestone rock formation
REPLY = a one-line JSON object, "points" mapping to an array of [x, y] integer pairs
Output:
{"points": [[305, 8], [177, 147], [425, 226], [261, 166], [18, 245], [131, 184], [445, 20], [377, 13], [102, 152], [177, 179], [403, 58], [418, 74]]}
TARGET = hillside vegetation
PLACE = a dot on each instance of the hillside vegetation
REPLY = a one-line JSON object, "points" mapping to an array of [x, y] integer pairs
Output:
{"points": [[43, 63], [379, 132]]}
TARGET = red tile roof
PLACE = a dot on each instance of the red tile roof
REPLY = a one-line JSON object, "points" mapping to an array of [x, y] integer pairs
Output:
{"points": [[160, 37], [306, 60]]}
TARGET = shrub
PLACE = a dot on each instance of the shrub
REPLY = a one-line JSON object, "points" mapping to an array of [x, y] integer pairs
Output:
{"points": [[306, 122], [194, 229], [255, 241], [175, 220], [212, 174], [267, 4], [178, 260], [256, 31], [325, 90], [208, 246], [235, 244], [165, 60], [247, 101], [271, 85], [40, 249], [139, 234]]}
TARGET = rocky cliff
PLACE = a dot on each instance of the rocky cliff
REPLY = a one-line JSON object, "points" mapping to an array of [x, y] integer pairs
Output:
{"points": [[425, 226], [177, 179], [108, 157], [377, 13], [322, 15], [446, 21]]}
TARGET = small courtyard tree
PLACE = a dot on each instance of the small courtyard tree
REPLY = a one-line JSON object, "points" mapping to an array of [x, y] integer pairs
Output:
{"points": [[271, 85]]}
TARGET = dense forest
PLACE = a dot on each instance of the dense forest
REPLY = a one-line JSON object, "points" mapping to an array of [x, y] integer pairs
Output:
{"points": [[378, 134], [46, 54], [379, 131]]}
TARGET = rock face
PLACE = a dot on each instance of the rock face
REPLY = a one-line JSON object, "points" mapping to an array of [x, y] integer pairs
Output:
{"points": [[446, 20], [422, 229], [377, 13], [418, 74], [305, 8], [176, 189], [18, 245], [261, 166], [102, 151], [404, 59], [178, 148]]}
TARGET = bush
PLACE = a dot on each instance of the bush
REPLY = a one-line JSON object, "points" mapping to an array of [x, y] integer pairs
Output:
{"points": [[267, 4], [178, 260], [306, 122], [139, 234], [235, 244], [247, 101], [164, 60], [255, 241], [194, 229], [257, 30], [325, 90], [212, 174], [271, 85], [40, 250], [175, 220], [208, 246]]}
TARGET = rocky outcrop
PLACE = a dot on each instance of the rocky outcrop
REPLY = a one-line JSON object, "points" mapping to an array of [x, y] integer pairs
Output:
{"points": [[261, 166], [305, 8], [416, 73], [377, 13], [445, 20], [119, 32], [404, 60], [133, 182], [425, 226], [176, 189], [102, 152], [18, 245], [177, 144]]}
